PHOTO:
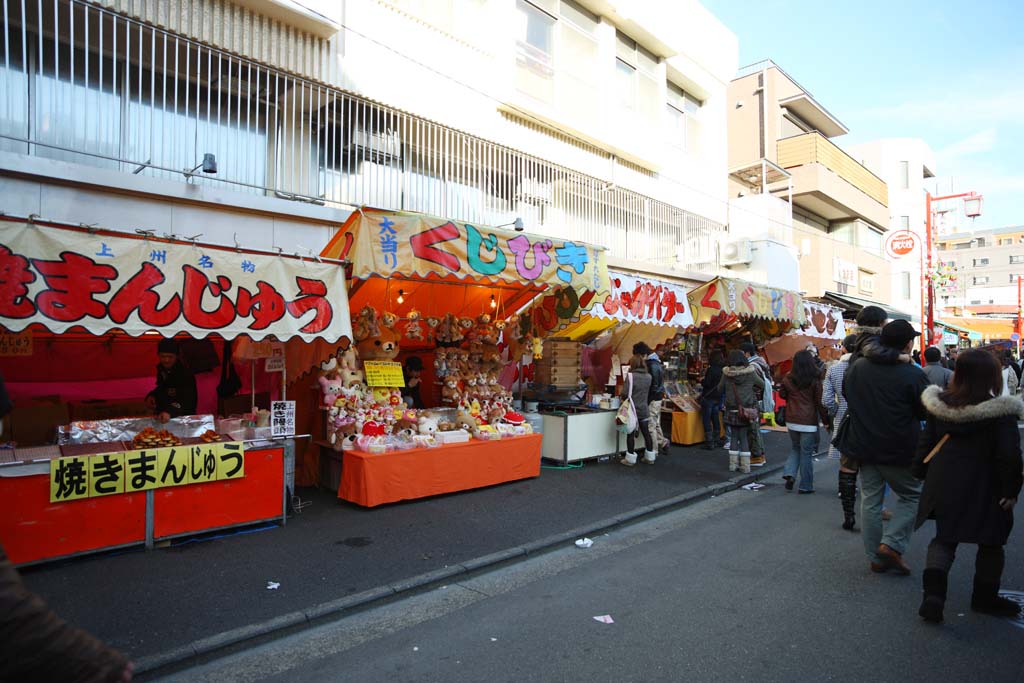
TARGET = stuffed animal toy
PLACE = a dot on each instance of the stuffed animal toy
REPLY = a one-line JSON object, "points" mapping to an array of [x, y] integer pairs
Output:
{"points": [[466, 326], [345, 435], [388, 319], [463, 420], [395, 399], [381, 395], [408, 420], [349, 370], [432, 324], [537, 347], [331, 389], [366, 324], [413, 328], [450, 393], [373, 428], [448, 333], [440, 363], [495, 413], [427, 425], [382, 346], [485, 331], [329, 367]]}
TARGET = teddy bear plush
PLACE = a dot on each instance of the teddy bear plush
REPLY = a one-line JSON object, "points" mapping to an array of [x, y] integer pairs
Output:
{"points": [[388, 320], [413, 328], [331, 388], [427, 425], [349, 370], [382, 346], [450, 393], [466, 327], [432, 325], [366, 324]]}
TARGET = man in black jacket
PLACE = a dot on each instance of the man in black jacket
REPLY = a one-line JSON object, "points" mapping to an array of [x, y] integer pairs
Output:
{"points": [[175, 393], [884, 414], [657, 393]]}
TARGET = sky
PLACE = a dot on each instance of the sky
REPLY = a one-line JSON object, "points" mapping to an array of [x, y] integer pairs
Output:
{"points": [[947, 72]]}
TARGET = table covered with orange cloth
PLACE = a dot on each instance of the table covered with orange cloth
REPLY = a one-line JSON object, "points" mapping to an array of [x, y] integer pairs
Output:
{"points": [[687, 428], [370, 480]]}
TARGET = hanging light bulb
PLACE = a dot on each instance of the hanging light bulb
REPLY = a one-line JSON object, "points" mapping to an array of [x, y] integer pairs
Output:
{"points": [[401, 296], [493, 303]]}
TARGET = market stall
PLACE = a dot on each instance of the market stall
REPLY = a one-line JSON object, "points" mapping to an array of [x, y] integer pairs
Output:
{"points": [[84, 314], [637, 308], [727, 312], [824, 328], [444, 293]]}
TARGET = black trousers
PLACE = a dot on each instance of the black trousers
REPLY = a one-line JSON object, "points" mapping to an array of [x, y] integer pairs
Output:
{"points": [[645, 429]]}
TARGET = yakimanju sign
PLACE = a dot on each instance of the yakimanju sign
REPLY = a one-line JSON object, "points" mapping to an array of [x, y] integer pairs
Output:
{"points": [[64, 278]]}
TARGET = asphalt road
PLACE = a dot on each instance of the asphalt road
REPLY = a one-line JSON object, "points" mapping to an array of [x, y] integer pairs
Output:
{"points": [[752, 585]]}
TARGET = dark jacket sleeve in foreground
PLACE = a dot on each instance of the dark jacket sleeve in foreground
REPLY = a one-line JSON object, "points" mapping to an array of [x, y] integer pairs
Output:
{"points": [[37, 645], [929, 437], [1009, 466]]}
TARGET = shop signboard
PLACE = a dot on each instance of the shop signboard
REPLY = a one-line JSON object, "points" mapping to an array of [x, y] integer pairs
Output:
{"points": [[387, 243], [144, 469], [383, 373], [823, 322], [900, 244], [638, 299], [844, 272], [282, 418], [746, 300], [62, 278], [15, 344]]}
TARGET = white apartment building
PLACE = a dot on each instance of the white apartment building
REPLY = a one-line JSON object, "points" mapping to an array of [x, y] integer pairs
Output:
{"points": [[596, 120], [904, 164]]}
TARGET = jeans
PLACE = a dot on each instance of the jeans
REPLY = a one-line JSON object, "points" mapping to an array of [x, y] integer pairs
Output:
{"points": [[896, 532], [801, 459], [711, 416], [738, 439]]}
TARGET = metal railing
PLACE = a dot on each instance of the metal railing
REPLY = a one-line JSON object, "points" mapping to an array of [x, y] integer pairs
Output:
{"points": [[117, 93]]}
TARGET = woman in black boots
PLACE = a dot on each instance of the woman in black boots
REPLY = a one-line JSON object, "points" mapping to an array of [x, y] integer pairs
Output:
{"points": [[711, 401], [969, 458]]}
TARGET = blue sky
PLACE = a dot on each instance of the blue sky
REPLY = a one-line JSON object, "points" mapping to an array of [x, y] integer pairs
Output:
{"points": [[951, 73]]}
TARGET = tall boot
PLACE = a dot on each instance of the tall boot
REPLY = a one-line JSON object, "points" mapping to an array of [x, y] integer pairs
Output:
{"points": [[988, 572], [709, 443], [734, 458], [848, 497], [629, 460], [745, 462], [934, 583]]}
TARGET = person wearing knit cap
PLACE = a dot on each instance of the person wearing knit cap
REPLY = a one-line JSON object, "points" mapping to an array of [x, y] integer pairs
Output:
{"points": [[175, 393]]}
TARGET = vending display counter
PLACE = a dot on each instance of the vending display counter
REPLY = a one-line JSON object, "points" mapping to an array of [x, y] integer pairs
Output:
{"points": [[374, 479], [34, 529]]}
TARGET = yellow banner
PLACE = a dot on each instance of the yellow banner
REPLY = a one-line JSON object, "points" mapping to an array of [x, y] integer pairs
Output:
{"points": [[383, 373], [144, 469], [745, 300], [387, 243]]}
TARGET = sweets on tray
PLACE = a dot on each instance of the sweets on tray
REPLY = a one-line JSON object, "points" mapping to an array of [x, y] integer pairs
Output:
{"points": [[209, 436], [151, 438]]}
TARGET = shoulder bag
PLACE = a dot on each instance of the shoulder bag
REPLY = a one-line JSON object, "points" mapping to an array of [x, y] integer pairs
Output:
{"points": [[625, 419]]}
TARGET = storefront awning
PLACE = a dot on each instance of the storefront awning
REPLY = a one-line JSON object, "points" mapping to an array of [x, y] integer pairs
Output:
{"points": [[99, 281], [724, 297], [639, 299], [853, 305]]}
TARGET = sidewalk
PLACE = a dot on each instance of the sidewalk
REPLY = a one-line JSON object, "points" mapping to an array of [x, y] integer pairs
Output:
{"points": [[163, 606]]}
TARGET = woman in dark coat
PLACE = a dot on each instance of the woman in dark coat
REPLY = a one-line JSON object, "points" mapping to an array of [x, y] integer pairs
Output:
{"points": [[972, 481], [804, 412], [739, 379]]}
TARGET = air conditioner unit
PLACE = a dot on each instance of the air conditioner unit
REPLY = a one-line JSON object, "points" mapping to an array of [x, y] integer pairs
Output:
{"points": [[737, 253], [376, 146]]}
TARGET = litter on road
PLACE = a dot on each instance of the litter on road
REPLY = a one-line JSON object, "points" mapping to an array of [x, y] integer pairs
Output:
{"points": [[273, 585], [605, 619], [584, 542], [753, 486]]}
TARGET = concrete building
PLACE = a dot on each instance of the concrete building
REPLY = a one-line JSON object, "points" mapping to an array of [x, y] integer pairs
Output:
{"points": [[596, 120], [904, 164], [986, 265], [781, 151]]}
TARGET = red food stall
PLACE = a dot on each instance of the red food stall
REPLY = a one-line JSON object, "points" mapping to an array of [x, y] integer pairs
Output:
{"points": [[87, 467]]}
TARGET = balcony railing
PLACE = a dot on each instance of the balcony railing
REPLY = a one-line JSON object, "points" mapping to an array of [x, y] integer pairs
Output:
{"points": [[125, 95], [815, 148]]}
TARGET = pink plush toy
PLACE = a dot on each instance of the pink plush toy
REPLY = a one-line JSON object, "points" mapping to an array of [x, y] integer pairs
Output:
{"points": [[332, 390]]}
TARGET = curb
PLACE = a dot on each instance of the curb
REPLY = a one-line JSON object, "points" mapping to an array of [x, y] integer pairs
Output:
{"points": [[352, 603]]}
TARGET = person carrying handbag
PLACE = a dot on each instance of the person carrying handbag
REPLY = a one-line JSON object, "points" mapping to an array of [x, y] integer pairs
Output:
{"points": [[739, 381], [635, 389], [969, 458]]}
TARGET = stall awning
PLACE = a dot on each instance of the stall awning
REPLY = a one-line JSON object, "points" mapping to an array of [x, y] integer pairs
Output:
{"points": [[953, 328], [988, 329], [724, 297], [823, 322], [854, 304], [99, 280]]}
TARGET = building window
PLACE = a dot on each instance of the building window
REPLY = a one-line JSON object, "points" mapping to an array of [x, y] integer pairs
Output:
{"points": [[1013, 277], [975, 302], [1005, 241], [980, 262], [1017, 259], [963, 245], [635, 78], [535, 51], [905, 284], [867, 282], [980, 242], [981, 280], [905, 175], [682, 110], [905, 222]]}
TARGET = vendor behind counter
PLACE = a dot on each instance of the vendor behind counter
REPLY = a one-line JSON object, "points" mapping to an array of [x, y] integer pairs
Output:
{"points": [[175, 393]]}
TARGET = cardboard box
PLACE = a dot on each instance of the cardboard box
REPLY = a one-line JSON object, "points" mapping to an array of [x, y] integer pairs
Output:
{"points": [[34, 422], [97, 409]]}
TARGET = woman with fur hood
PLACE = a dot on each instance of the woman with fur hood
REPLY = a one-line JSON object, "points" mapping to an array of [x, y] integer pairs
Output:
{"points": [[739, 379], [969, 458]]}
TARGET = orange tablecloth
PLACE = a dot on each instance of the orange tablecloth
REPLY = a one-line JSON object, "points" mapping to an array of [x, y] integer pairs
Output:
{"points": [[371, 480], [687, 428]]}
